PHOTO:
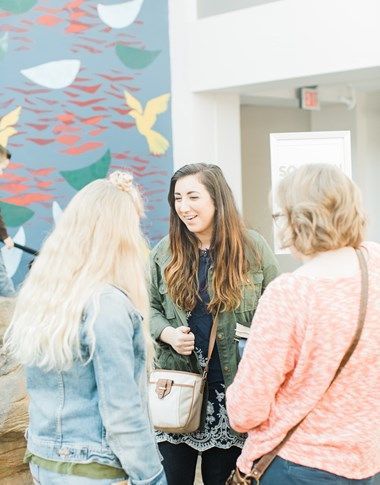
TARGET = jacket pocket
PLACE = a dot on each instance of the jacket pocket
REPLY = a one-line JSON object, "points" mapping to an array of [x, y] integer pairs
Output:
{"points": [[166, 302]]}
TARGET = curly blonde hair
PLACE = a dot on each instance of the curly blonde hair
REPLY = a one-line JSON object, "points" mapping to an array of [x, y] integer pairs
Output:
{"points": [[321, 208]]}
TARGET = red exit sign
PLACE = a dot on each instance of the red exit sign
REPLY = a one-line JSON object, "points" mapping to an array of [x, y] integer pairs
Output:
{"points": [[309, 98]]}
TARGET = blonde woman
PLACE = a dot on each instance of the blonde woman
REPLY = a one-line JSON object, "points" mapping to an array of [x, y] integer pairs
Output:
{"points": [[303, 326], [80, 328]]}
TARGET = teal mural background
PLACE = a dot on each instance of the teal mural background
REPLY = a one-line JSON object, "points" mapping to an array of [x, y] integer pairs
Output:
{"points": [[64, 137]]}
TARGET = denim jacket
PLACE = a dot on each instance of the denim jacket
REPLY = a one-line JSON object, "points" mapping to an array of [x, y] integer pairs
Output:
{"points": [[164, 312], [98, 412]]}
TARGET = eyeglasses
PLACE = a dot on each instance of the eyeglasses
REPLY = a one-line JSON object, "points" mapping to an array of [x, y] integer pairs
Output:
{"points": [[278, 218]]}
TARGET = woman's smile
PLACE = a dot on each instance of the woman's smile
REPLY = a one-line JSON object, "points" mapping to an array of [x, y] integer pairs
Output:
{"points": [[191, 195]]}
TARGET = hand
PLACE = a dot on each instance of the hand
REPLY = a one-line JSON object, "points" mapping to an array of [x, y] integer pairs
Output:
{"points": [[8, 241], [181, 339]]}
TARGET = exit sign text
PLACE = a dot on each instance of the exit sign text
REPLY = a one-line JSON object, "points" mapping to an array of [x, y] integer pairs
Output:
{"points": [[309, 98]]}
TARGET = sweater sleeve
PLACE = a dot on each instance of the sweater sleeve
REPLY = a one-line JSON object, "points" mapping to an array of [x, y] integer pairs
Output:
{"points": [[270, 354]]}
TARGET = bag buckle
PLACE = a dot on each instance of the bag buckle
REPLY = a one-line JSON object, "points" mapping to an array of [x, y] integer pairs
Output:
{"points": [[163, 387], [238, 478]]}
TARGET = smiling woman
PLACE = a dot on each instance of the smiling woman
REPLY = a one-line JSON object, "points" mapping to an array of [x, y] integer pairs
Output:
{"points": [[194, 284], [195, 208]]}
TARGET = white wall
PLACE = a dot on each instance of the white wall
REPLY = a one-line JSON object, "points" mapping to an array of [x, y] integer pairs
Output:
{"points": [[283, 40], [368, 154], [364, 124], [206, 127], [257, 123], [265, 44]]}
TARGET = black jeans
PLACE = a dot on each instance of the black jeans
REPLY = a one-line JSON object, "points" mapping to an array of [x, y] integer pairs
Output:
{"points": [[180, 463]]}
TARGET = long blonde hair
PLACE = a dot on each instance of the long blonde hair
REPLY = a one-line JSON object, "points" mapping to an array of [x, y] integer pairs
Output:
{"points": [[96, 241], [230, 243]]}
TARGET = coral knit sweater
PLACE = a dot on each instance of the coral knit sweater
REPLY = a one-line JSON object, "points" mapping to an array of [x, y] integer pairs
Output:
{"points": [[301, 330]]}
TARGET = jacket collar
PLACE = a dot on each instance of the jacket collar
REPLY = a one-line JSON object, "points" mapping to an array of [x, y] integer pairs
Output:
{"points": [[163, 254]]}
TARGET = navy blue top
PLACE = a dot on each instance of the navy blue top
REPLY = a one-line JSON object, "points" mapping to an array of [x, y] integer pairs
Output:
{"points": [[200, 322]]}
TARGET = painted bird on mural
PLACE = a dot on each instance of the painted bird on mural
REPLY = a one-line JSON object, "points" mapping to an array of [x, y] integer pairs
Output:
{"points": [[145, 120], [7, 123]]}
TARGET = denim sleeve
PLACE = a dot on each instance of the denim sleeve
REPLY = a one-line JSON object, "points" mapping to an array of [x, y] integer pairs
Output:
{"points": [[124, 415]]}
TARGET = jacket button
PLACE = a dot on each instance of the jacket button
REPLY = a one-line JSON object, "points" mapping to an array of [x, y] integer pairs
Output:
{"points": [[220, 336], [226, 368]]}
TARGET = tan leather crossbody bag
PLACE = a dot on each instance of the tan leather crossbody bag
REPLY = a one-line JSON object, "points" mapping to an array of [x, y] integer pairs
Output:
{"points": [[176, 397]]}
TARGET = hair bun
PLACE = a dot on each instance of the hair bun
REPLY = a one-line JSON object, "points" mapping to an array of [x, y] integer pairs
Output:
{"points": [[122, 180]]}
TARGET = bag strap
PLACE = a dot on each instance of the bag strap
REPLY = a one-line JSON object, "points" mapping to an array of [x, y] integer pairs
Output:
{"points": [[264, 462], [362, 310], [211, 343]]}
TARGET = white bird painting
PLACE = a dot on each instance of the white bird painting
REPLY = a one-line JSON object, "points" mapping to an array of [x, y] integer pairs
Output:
{"points": [[55, 74], [121, 15]]}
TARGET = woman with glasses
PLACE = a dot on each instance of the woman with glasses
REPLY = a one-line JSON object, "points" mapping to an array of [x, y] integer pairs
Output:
{"points": [[303, 327]]}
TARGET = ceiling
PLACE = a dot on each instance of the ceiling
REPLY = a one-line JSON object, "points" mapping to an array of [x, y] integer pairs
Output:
{"points": [[333, 88]]}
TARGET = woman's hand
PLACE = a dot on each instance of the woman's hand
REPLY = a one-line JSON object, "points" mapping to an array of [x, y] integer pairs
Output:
{"points": [[8, 241], [181, 339]]}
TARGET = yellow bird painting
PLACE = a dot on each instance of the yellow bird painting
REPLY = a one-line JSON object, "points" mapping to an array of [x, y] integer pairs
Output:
{"points": [[145, 120], [7, 123]]}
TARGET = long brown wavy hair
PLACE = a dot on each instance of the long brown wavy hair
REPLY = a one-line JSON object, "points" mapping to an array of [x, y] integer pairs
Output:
{"points": [[231, 246]]}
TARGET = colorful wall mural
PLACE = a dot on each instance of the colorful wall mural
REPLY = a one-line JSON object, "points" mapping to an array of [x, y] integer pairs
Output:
{"points": [[84, 88]]}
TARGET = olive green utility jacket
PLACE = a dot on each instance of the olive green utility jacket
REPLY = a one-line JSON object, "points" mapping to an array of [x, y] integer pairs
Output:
{"points": [[164, 312]]}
